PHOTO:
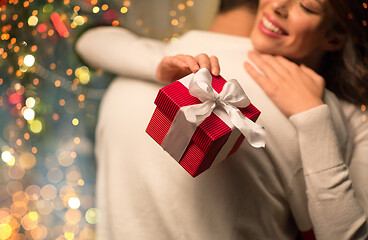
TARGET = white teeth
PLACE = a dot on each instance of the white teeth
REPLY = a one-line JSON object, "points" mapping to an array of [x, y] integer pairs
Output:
{"points": [[270, 26]]}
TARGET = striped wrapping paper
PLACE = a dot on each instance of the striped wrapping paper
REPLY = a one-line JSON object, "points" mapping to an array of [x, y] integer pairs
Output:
{"points": [[209, 137]]}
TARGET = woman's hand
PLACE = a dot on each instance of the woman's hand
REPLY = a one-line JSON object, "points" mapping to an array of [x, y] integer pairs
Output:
{"points": [[291, 87], [172, 68]]}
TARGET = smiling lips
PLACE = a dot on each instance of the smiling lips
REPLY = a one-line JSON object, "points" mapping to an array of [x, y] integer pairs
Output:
{"points": [[271, 28]]}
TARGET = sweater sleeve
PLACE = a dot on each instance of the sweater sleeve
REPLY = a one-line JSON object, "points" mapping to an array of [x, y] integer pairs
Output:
{"points": [[337, 193], [120, 52]]}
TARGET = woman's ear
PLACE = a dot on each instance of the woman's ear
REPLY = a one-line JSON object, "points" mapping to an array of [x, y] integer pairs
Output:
{"points": [[334, 41]]}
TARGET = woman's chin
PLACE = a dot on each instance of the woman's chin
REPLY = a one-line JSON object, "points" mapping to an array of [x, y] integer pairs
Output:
{"points": [[265, 49]]}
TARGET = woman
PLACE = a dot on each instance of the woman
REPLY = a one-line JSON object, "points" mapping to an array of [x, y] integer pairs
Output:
{"points": [[294, 40]]}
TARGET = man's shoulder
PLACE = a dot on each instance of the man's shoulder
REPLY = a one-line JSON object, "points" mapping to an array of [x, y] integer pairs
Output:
{"points": [[196, 41]]}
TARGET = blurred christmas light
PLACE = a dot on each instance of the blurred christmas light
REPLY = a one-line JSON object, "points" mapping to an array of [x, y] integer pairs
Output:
{"points": [[35, 126], [41, 28], [181, 6], [59, 25], [47, 8], [69, 235], [95, 9], [15, 98], [30, 102], [23, 68], [74, 203], [77, 140], [83, 74], [33, 216], [5, 231], [190, 3], [124, 10], [41, 177], [105, 7], [27, 160], [80, 182], [32, 21], [6, 156], [79, 20], [29, 222], [29, 60], [75, 121], [126, 3], [12, 161], [92, 216], [29, 114], [49, 192]]}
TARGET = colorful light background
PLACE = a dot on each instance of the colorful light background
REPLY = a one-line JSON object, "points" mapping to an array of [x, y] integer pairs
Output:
{"points": [[48, 110]]}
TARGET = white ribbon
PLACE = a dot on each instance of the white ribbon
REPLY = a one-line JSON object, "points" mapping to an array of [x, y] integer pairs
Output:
{"points": [[229, 100]]}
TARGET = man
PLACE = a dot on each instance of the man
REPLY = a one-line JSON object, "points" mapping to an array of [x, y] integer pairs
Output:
{"points": [[143, 193]]}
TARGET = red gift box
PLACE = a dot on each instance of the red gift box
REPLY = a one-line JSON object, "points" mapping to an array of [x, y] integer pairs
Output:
{"points": [[213, 139]]}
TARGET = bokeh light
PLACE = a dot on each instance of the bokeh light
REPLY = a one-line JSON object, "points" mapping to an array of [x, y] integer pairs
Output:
{"points": [[74, 203], [36, 126], [92, 215], [6, 156], [32, 21], [29, 60], [30, 102], [5, 231], [27, 160], [83, 74], [49, 105], [29, 114], [79, 20]]}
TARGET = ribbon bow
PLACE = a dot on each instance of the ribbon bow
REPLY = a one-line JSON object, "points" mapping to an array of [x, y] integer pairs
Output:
{"points": [[229, 99]]}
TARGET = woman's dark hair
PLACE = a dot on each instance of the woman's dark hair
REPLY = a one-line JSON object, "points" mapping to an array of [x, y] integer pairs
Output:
{"points": [[349, 81], [227, 5]]}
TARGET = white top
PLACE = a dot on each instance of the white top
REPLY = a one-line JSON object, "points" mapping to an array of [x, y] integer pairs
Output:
{"points": [[142, 193]]}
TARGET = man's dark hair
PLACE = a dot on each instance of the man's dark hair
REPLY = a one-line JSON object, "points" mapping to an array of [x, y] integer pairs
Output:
{"points": [[227, 5]]}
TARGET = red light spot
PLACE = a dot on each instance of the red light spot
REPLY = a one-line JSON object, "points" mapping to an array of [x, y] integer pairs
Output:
{"points": [[3, 3], [15, 98], [42, 28], [59, 25]]}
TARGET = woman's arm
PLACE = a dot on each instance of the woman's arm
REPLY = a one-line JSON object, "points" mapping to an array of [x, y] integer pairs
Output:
{"points": [[336, 208], [337, 194], [121, 52]]}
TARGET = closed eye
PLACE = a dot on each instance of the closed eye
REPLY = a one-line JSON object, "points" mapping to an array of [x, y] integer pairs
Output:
{"points": [[308, 10]]}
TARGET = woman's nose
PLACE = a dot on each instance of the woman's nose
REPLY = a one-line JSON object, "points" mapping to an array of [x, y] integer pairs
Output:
{"points": [[280, 7]]}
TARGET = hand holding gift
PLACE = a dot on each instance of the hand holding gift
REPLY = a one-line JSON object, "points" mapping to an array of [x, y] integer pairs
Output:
{"points": [[202, 119], [172, 68]]}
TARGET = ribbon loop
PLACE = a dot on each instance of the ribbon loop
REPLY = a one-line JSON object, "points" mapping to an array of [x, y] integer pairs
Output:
{"points": [[229, 99]]}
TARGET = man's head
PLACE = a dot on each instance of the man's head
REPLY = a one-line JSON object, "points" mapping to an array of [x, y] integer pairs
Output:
{"points": [[227, 5]]}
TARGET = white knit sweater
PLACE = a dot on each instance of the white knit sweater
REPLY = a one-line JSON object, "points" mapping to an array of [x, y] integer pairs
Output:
{"points": [[312, 173]]}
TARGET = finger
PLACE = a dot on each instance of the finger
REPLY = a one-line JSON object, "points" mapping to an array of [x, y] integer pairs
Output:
{"points": [[290, 67], [215, 66], [277, 64], [263, 65], [191, 62], [176, 62], [257, 76], [312, 74], [204, 61]]}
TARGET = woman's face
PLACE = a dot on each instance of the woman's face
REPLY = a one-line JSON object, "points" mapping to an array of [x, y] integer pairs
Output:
{"points": [[295, 29]]}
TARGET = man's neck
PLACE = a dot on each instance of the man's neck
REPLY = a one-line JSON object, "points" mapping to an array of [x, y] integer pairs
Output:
{"points": [[237, 22]]}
